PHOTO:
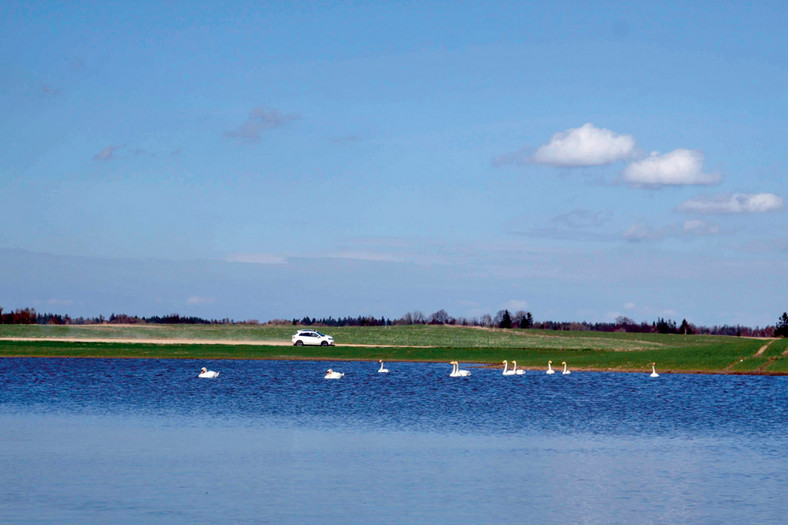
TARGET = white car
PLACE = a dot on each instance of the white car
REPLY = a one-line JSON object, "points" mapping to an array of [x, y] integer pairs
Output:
{"points": [[312, 337]]}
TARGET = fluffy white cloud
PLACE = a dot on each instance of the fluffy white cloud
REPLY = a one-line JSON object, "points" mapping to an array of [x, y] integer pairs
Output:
{"points": [[734, 203], [585, 146], [698, 227], [680, 167]]}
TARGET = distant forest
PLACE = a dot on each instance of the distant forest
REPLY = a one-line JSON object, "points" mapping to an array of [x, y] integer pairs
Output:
{"points": [[503, 319]]}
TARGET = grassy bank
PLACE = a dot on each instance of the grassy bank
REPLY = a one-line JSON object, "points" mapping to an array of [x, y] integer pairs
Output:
{"points": [[531, 348]]}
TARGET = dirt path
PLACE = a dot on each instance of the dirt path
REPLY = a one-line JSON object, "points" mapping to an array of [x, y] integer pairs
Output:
{"points": [[762, 349], [756, 355]]}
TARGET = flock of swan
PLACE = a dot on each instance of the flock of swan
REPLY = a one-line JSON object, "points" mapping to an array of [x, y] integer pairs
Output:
{"points": [[455, 371]]}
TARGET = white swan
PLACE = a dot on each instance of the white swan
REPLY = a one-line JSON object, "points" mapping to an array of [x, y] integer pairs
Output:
{"points": [[653, 371], [330, 374], [382, 370], [208, 374], [518, 372], [565, 372], [456, 372], [550, 370], [506, 370]]}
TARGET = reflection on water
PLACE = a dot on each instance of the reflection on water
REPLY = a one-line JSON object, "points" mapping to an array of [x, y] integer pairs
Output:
{"points": [[271, 441]]}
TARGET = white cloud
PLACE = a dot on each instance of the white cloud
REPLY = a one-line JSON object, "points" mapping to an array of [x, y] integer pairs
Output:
{"points": [[515, 305], [582, 218], [680, 167], [360, 255], [196, 300], [256, 258], [699, 227], [641, 232], [585, 146], [734, 203]]}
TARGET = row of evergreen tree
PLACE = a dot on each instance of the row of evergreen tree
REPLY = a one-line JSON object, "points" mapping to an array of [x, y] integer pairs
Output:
{"points": [[502, 319], [30, 316]]}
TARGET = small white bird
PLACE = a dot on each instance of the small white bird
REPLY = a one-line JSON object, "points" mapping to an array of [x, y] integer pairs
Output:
{"points": [[506, 370], [208, 374], [330, 374], [382, 370], [456, 372], [518, 372], [550, 370], [653, 371], [565, 372]]}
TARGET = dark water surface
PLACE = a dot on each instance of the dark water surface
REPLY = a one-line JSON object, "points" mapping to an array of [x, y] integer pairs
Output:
{"points": [[121, 441]]}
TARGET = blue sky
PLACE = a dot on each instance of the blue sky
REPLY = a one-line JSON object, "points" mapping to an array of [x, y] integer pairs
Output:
{"points": [[263, 160]]}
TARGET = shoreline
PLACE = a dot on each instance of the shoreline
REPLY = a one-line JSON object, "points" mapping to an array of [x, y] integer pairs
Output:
{"points": [[750, 360], [471, 364]]}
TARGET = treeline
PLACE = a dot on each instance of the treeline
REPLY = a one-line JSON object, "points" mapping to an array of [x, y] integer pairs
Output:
{"points": [[522, 319], [361, 320], [525, 320], [30, 316], [502, 319]]}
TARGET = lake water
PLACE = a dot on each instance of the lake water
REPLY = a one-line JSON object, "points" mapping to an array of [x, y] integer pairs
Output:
{"points": [[130, 441]]}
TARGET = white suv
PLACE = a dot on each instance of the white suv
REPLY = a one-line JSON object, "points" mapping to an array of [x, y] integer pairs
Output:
{"points": [[312, 337]]}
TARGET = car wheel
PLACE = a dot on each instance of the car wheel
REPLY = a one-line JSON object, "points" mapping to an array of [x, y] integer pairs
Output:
{"points": [[323, 343], [299, 343]]}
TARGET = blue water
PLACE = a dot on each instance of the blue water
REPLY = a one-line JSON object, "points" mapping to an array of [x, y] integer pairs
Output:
{"points": [[122, 441]]}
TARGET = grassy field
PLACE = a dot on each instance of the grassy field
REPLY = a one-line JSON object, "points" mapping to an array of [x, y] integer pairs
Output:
{"points": [[531, 348]]}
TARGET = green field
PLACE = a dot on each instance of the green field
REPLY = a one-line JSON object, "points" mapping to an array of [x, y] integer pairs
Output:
{"points": [[530, 348]]}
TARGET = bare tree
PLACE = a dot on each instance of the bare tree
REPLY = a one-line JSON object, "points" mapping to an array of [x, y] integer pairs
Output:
{"points": [[440, 317]]}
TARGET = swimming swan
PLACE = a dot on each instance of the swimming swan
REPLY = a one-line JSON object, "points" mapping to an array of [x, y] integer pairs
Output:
{"points": [[506, 370], [653, 371], [382, 370], [565, 372], [208, 374], [518, 372], [456, 372], [330, 374], [462, 373], [550, 370]]}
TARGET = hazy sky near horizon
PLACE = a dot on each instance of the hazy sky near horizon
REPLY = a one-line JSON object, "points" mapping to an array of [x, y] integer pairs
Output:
{"points": [[280, 159]]}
